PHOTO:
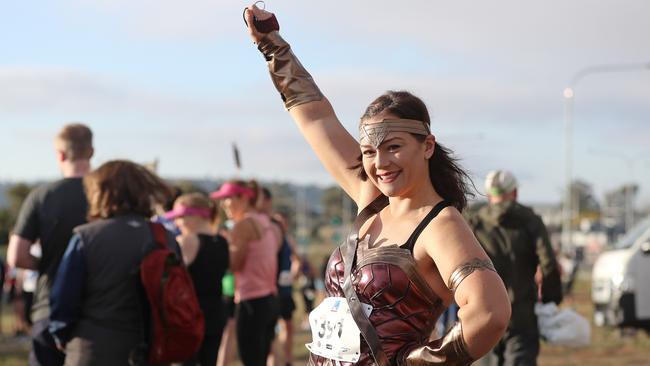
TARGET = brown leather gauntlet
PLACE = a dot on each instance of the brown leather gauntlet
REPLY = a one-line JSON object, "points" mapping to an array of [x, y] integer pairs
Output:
{"points": [[294, 83], [449, 350]]}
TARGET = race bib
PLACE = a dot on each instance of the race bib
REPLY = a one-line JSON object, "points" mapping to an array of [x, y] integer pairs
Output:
{"points": [[334, 333]]}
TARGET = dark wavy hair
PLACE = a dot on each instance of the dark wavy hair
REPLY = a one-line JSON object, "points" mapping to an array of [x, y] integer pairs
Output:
{"points": [[121, 187], [447, 176]]}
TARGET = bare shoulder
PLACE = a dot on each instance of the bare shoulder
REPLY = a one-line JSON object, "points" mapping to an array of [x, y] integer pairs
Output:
{"points": [[246, 229], [246, 223], [449, 241], [185, 240], [243, 229], [449, 225], [182, 239]]}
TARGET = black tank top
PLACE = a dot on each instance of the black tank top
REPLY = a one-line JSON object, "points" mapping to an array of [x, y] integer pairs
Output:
{"points": [[410, 243], [207, 270]]}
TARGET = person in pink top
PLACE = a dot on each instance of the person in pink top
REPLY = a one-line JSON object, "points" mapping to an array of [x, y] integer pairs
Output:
{"points": [[253, 258]]}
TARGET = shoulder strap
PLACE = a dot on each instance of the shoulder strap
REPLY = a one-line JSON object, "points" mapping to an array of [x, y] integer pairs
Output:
{"points": [[159, 234], [139, 354], [368, 332], [410, 243]]}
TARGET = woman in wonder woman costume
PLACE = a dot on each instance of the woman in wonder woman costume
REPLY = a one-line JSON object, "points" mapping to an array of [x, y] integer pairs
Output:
{"points": [[410, 251]]}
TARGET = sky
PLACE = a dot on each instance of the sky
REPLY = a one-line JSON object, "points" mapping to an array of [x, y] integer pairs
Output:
{"points": [[181, 81]]}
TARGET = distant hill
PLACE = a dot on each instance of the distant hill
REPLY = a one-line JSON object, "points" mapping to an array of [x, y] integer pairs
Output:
{"points": [[312, 194], [5, 186], [282, 190]]}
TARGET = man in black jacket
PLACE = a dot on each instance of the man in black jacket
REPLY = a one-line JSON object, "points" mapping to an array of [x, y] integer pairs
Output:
{"points": [[516, 240]]}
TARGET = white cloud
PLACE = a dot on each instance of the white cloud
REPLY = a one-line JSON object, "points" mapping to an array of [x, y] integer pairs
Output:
{"points": [[30, 90], [191, 136], [496, 70], [164, 19], [571, 33], [501, 28]]}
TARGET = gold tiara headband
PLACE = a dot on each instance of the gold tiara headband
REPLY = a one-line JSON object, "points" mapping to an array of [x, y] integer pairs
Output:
{"points": [[375, 133]]}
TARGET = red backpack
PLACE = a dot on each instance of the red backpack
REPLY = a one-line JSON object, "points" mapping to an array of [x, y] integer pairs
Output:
{"points": [[177, 325]]}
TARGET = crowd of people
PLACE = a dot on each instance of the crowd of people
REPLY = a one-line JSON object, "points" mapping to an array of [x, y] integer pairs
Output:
{"points": [[92, 228], [415, 282]]}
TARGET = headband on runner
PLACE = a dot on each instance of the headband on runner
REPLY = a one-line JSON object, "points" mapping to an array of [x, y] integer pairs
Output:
{"points": [[182, 210], [375, 133], [232, 189]]}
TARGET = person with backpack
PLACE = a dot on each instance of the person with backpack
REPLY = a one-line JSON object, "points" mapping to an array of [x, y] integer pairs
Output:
{"points": [[206, 256], [96, 306], [254, 245], [517, 242]]}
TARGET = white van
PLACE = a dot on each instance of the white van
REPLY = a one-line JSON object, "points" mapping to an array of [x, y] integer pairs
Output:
{"points": [[620, 287]]}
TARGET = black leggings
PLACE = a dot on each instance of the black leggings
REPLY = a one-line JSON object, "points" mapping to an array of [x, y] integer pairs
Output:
{"points": [[208, 353], [256, 320]]}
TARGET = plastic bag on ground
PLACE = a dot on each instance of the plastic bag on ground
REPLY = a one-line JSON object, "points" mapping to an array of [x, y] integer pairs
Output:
{"points": [[562, 327]]}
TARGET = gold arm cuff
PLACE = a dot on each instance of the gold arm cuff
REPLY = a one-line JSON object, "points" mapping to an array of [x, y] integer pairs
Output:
{"points": [[290, 78], [466, 269]]}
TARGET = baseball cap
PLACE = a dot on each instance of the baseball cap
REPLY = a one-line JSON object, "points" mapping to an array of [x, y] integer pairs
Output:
{"points": [[499, 182]]}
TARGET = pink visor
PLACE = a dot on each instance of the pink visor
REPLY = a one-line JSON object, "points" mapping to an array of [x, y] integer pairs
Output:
{"points": [[187, 211], [232, 189]]}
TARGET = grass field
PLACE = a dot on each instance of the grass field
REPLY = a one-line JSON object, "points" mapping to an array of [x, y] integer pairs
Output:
{"points": [[608, 346]]}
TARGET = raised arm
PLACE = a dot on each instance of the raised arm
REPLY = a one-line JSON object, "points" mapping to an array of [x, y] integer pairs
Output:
{"points": [[484, 311], [312, 112]]}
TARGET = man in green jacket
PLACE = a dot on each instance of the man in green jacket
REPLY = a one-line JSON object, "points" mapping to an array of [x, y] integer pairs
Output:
{"points": [[516, 240]]}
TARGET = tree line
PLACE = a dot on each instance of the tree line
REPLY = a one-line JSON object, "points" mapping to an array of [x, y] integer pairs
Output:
{"points": [[322, 207], [15, 196]]}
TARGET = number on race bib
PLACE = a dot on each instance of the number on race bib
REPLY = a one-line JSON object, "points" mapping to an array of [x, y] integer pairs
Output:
{"points": [[335, 334]]}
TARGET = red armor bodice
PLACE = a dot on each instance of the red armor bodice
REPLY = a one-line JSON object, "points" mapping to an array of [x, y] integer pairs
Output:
{"points": [[405, 309]]}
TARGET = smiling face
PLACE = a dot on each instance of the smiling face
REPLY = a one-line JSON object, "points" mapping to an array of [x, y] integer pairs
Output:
{"points": [[399, 165]]}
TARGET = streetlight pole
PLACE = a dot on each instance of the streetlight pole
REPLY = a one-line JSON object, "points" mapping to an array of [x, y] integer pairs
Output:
{"points": [[568, 154], [569, 93]]}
